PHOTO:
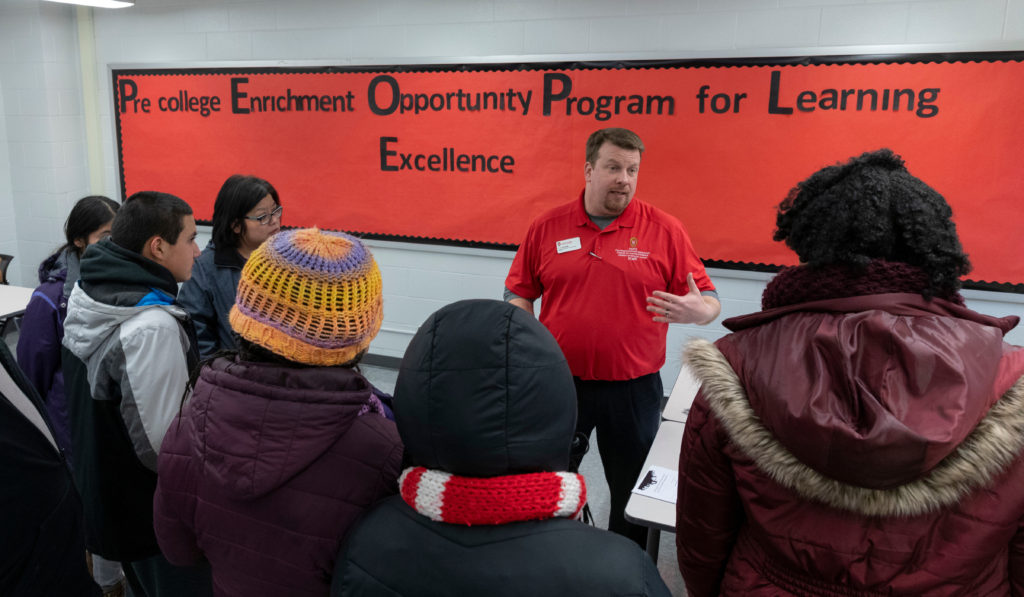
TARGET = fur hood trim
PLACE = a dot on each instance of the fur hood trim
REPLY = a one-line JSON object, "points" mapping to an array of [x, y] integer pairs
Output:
{"points": [[986, 452]]}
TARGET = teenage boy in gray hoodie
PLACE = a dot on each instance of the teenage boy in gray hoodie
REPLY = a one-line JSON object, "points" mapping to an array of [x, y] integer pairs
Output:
{"points": [[128, 349]]}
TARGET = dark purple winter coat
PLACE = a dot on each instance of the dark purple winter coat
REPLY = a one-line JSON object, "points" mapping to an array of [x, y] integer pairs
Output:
{"points": [[266, 469], [42, 330]]}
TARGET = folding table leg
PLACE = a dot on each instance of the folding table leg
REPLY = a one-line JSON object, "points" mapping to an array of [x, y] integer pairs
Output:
{"points": [[653, 543]]}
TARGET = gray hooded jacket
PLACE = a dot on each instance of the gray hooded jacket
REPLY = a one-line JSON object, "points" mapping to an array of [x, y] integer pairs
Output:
{"points": [[127, 352]]}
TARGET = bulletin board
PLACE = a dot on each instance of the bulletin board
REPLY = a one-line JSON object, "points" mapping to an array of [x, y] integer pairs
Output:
{"points": [[469, 154]]}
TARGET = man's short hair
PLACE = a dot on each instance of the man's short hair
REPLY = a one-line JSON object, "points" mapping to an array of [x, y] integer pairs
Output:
{"points": [[147, 214], [624, 138]]}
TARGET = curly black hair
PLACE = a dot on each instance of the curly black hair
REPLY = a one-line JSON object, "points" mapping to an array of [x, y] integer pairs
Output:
{"points": [[873, 208]]}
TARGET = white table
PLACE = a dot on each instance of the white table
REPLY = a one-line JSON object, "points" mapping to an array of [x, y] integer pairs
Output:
{"points": [[657, 515], [13, 300], [681, 398]]}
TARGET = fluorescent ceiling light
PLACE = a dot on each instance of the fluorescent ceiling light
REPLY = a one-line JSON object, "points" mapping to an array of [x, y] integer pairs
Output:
{"points": [[97, 3]]}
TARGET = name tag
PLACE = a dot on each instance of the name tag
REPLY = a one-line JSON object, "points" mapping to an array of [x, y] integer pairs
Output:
{"points": [[569, 244]]}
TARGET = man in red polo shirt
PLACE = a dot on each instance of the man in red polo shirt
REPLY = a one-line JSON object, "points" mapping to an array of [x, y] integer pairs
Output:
{"points": [[614, 272]]}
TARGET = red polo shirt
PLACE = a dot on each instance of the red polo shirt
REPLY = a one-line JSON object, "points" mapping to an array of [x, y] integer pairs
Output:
{"points": [[595, 284]]}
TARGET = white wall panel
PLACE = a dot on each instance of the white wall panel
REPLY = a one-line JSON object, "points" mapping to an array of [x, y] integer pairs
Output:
{"points": [[956, 20], [403, 12], [253, 16], [777, 28], [1013, 28], [492, 39], [8, 234], [879, 24], [661, 6], [738, 5], [555, 36], [625, 34], [529, 10], [230, 45], [699, 31], [207, 18]]}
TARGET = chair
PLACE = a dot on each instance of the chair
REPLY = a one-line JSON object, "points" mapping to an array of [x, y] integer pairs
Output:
{"points": [[5, 261]]}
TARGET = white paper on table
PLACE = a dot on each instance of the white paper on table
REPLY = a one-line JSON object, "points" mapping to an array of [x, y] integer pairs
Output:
{"points": [[659, 483]]}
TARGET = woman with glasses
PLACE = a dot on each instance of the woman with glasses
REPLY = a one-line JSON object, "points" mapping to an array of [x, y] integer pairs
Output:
{"points": [[246, 213]]}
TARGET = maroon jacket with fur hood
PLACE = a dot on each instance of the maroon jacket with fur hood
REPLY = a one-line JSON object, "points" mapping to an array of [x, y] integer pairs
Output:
{"points": [[265, 471], [868, 445]]}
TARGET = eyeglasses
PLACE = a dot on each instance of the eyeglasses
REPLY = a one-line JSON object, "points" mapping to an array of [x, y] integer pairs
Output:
{"points": [[266, 219]]}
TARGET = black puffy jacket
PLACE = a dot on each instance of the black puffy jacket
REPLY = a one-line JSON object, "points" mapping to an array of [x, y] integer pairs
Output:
{"points": [[42, 539], [483, 391]]}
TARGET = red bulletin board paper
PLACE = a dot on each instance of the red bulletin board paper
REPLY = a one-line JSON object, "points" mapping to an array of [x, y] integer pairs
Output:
{"points": [[725, 143]]}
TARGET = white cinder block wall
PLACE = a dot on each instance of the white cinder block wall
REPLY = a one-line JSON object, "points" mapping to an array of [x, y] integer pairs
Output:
{"points": [[44, 160], [8, 236]]}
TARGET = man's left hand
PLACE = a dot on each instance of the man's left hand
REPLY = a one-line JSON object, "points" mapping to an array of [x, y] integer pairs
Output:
{"points": [[692, 307]]}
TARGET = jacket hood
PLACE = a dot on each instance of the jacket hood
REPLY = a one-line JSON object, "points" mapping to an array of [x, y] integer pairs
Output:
{"points": [[272, 420], [54, 268], [483, 391], [117, 276], [883, 395], [62, 267], [116, 284]]}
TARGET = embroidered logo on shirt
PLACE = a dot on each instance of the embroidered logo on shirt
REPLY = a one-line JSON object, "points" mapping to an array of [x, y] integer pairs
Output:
{"points": [[632, 253]]}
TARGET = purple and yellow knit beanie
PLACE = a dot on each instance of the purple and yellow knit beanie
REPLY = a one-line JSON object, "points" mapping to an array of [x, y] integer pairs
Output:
{"points": [[310, 296]]}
